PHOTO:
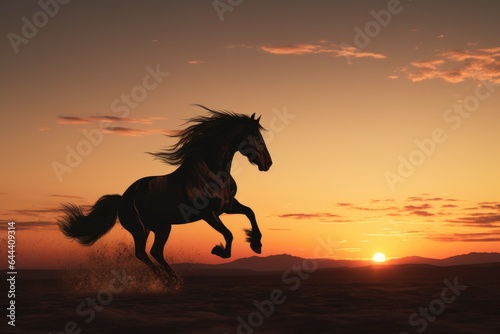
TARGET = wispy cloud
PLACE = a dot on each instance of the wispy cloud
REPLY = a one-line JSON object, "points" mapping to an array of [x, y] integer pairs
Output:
{"points": [[322, 47], [417, 207], [367, 208], [31, 218], [434, 216], [479, 220], [489, 205], [131, 132], [349, 249], [456, 66], [301, 216], [33, 212], [97, 119], [421, 213], [66, 196], [468, 237], [114, 129], [38, 217], [428, 198], [352, 52], [295, 49], [387, 200], [32, 225], [320, 217], [398, 234]]}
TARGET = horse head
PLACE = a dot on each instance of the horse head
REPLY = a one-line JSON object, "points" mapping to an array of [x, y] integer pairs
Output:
{"points": [[254, 147]]}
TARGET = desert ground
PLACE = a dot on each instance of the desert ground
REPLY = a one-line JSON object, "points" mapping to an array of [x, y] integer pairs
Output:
{"points": [[375, 299]]}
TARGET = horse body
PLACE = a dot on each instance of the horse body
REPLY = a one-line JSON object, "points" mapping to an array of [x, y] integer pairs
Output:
{"points": [[184, 196], [201, 188]]}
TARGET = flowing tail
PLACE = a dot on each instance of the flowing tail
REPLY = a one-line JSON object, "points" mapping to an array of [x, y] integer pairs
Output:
{"points": [[87, 229]]}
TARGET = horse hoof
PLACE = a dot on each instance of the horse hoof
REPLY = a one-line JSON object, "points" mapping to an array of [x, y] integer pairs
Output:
{"points": [[257, 248], [220, 251]]}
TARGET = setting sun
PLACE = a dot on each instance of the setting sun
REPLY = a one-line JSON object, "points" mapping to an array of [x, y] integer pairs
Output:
{"points": [[378, 257]]}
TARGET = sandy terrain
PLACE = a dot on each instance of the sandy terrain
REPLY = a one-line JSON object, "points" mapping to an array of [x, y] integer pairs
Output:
{"points": [[363, 300]]}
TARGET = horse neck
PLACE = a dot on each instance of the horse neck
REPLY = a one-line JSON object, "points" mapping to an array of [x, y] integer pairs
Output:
{"points": [[214, 161], [221, 160], [218, 156]]}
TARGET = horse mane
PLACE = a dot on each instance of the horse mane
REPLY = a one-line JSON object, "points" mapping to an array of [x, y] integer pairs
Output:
{"points": [[202, 133]]}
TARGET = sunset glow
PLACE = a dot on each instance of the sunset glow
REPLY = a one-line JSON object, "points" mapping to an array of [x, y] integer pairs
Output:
{"points": [[376, 139]]}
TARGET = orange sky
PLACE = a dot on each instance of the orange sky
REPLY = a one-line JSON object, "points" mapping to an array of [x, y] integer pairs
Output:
{"points": [[384, 134]]}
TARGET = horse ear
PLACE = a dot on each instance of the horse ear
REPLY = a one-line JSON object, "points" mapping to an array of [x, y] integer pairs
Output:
{"points": [[253, 116], [258, 119]]}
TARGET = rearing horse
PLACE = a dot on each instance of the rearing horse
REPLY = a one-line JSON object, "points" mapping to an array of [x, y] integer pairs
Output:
{"points": [[201, 188]]}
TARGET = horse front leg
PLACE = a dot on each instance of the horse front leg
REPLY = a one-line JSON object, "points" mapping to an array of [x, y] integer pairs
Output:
{"points": [[253, 236], [219, 250]]}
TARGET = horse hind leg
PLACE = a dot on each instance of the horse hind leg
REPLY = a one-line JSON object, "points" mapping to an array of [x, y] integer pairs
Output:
{"points": [[161, 237], [130, 220], [140, 252]]}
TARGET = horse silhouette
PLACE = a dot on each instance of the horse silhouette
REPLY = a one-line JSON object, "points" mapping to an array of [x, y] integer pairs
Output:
{"points": [[201, 188]]}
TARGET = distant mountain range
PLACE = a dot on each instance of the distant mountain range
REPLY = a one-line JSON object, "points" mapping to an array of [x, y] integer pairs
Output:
{"points": [[285, 262], [464, 259]]}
